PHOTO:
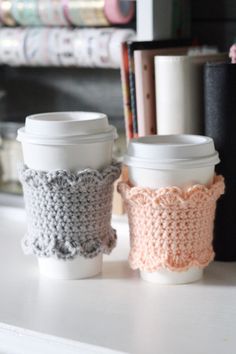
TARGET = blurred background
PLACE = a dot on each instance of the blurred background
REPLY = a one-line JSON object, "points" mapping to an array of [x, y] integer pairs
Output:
{"points": [[26, 90]]}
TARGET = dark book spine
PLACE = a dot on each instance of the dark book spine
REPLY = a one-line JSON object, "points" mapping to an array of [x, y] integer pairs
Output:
{"points": [[126, 92], [132, 90], [220, 124]]}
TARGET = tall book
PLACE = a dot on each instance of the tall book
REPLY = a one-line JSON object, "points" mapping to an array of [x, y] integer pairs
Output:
{"points": [[220, 124], [179, 92], [145, 87], [128, 79], [126, 91]]}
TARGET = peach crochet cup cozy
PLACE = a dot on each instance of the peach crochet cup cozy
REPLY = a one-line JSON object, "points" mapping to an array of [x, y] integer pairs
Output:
{"points": [[170, 200]]}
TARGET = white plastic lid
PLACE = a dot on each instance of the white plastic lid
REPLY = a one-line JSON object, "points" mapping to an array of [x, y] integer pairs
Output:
{"points": [[171, 152], [66, 128]]}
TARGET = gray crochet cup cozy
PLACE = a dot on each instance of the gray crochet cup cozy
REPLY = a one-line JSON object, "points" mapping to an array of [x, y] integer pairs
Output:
{"points": [[69, 214]]}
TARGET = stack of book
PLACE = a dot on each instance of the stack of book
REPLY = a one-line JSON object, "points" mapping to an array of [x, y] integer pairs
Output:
{"points": [[162, 84]]}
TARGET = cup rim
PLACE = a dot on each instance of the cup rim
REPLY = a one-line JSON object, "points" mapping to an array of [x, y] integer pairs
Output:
{"points": [[171, 152], [187, 139], [66, 128], [68, 116]]}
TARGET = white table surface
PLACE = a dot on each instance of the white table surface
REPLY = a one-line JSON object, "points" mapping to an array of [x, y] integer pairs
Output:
{"points": [[115, 312]]}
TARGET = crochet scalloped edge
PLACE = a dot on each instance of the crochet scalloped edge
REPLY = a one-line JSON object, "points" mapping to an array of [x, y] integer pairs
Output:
{"points": [[63, 178], [167, 265], [171, 196], [105, 246]]}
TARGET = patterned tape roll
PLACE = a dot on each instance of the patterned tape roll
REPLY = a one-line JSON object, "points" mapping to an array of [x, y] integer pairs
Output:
{"points": [[66, 47], [51, 12], [86, 12], [53, 45], [119, 11], [91, 47], [82, 47], [119, 36], [6, 13], [36, 47], [12, 46], [100, 47], [25, 12]]}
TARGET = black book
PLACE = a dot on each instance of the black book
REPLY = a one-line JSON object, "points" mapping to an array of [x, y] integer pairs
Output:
{"points": [[220, 124]]}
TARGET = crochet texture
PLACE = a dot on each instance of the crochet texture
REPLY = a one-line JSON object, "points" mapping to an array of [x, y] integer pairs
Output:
{"points": [[170, 227], [69, 213]]}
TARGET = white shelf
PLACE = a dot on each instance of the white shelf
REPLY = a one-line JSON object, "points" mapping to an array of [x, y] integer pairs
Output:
{"points": [[10, 200], [115, 312]]}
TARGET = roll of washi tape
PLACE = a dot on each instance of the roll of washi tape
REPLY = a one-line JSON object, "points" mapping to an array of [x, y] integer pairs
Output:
{"points": [[86, 12], [51, 12], [82, 47], [6, 13], [36, 46], [53, 46], [119, 11], [65, 7], [45, 12], [100, 47], [26, 12], [12, 51], [66, 47], [119, 36]]}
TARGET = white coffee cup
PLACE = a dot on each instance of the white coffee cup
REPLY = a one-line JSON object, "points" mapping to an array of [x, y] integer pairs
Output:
{"points": [[171, 160], [67, 141]]}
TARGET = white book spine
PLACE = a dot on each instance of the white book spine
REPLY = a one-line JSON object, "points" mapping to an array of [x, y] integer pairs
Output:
{"points": [[178, 95]]}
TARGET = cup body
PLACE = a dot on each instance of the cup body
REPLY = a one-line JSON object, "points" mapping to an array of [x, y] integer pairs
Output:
{"points": [[61, 149], [164, 178], [171, 160], [67, 157]]}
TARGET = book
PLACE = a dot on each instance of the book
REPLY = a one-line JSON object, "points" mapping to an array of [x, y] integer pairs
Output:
{"points": [[145, 87], [220, 124], [128, 57], [179, 92], [125, 83]]}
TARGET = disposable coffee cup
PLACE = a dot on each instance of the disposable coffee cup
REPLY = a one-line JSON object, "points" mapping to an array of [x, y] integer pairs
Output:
{"points": [[67, 141], [171, 160]]}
